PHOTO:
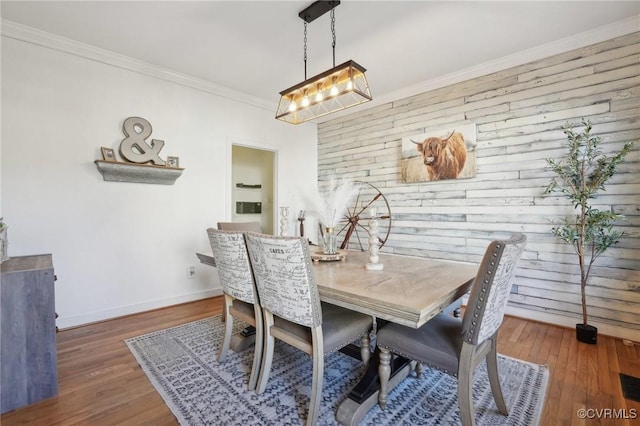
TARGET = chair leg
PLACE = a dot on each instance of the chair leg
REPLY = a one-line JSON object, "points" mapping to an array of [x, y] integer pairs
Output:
{"points": [[258, 348], [384, 372], [318, 375], [267, 352], [228, 329], [418, 369], [465, 381], [365, 349], [494, 378]]}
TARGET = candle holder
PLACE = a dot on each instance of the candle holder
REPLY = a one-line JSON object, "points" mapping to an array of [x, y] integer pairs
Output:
{"points": [[284, 220], [301, 220], [374, 243]]}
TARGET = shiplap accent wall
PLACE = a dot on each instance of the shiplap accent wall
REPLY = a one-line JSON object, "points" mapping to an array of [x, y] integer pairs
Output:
{"points": [[519, 114]]}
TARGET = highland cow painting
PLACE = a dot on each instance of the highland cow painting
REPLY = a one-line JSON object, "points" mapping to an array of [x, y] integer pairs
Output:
{"points": [[441, 154]]}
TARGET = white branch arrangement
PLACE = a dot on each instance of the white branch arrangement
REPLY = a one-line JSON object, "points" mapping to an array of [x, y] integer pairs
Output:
{"points": [[331, 206]]}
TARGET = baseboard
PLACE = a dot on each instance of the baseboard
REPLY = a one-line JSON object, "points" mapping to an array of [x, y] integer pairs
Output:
{"points": [[570, 322], [79, 320]]}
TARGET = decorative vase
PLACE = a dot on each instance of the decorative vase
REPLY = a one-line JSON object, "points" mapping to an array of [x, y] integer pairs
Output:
{"points": [[586, 333], [329, 242], [284, 220]]}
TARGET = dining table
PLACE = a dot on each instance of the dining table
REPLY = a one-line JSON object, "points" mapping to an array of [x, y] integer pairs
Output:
{"points": [[408, 290]]}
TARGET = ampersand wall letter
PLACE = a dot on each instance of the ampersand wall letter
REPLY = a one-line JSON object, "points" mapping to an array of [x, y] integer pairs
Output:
{"points": [[134, 148]]}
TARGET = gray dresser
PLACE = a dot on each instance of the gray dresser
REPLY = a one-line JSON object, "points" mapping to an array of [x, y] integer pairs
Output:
{"points": [[28, 331]]}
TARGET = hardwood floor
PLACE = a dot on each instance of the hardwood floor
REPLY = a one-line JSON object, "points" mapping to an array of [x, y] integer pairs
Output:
{"points": [[100, 383]]}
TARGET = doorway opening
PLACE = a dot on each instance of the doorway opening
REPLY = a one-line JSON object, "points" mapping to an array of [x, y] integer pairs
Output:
{"points": [[252, 177]]}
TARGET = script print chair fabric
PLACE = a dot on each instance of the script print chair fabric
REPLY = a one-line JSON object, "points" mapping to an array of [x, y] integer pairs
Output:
{"points": [[293, 312], [456, 345], [238, 226], [240, 294]]}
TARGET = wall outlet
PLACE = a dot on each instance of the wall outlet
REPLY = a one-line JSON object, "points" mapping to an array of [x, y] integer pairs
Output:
{"points": [[191, 271]]}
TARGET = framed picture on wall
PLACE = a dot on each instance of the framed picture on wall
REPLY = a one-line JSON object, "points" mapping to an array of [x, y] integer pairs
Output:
{"points": [[108, 154], [173, 162], [447, 153]]}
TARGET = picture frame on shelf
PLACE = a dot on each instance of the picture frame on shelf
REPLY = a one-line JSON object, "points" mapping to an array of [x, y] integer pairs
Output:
{"points": [[173, 162], [108, 154]]}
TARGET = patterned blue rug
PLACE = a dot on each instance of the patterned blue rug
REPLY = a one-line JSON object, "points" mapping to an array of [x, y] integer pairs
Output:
{"points": [[181, 363]]}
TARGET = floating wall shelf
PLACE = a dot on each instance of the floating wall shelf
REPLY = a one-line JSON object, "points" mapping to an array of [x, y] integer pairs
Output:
{"points": [[138, 173]]}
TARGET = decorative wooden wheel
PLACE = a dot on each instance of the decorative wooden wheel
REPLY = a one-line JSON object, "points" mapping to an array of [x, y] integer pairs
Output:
{"points": [[353, 228]]}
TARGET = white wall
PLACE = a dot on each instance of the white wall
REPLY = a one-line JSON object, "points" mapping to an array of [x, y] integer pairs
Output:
{"points": [[120, 248]]}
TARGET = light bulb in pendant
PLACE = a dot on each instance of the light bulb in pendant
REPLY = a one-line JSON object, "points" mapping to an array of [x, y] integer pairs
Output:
{"points": [[334, 87], [305, 100], [292, 106], [319, 96]]}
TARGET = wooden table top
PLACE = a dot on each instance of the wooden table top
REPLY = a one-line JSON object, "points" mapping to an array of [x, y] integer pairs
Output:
{"points": [[408, 291]]}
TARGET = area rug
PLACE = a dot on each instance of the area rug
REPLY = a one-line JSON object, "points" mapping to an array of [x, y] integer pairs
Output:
{"points": [[181, 364]]}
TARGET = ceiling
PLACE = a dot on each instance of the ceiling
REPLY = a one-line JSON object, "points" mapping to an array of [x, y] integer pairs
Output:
{"points": [[256, 47]]}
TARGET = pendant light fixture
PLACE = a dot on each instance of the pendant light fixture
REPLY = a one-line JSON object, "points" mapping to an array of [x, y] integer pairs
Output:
{"points": [[340, 87]]}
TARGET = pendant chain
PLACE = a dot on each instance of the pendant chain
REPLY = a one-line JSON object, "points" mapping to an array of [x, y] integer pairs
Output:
{"points": [[305, 50], [333, 34]]}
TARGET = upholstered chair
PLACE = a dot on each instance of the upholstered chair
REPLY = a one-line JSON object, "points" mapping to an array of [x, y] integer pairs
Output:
{"points": [[240, 294], [456, 345], [293, 312], [240, 226]]}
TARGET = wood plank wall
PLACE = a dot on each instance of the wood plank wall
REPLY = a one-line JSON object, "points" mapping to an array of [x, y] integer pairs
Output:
{"points": [[519, 114]]}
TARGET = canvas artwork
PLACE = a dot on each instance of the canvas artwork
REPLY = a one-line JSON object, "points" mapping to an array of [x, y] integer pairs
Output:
{"points": [[448, 153]]}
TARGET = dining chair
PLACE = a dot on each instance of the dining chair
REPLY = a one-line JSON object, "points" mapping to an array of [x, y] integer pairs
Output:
{"points": [[240, 295], [240, 226], [457, 345], [293, 312]]}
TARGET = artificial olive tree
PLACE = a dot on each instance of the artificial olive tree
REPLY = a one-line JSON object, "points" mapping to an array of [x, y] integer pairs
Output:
{"points": [[580, 176]]}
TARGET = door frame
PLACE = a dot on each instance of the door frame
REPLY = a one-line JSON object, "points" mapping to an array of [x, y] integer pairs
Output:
{"points": [[251, 144]]}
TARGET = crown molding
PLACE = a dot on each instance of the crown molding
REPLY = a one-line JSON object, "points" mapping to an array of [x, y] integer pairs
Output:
{"points": [[37, 37], [577, 41]]}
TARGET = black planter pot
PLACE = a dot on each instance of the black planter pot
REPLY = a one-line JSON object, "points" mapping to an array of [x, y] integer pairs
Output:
{"points": [[586, 333]]}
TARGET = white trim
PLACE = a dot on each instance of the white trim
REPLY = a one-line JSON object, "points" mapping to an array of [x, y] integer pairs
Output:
{"points": [[37, 37], [569, 322], [93, 317], [42, 38], [249, 143], [567, 44]]}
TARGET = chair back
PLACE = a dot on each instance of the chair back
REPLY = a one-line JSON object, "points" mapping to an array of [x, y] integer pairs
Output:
{"points": [[284, 277], [232, 262], [491, 289], [240, 226]]}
